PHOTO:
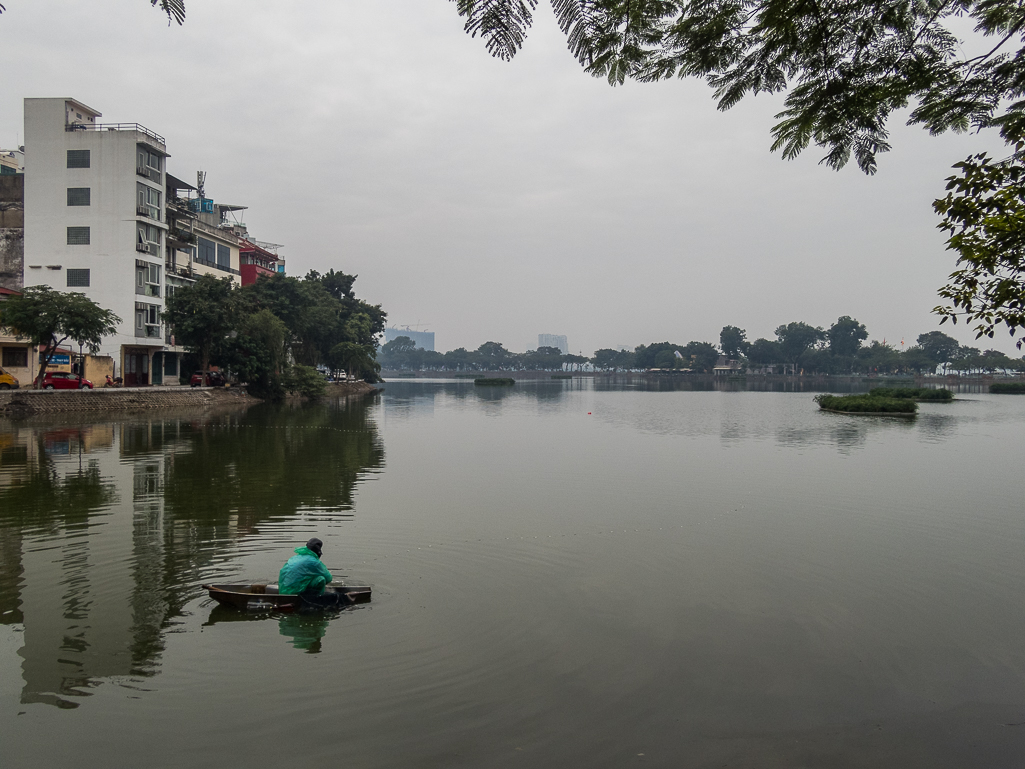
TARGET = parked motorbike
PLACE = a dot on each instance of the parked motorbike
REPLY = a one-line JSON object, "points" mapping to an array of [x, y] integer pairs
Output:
{"points": [[113, 381]]}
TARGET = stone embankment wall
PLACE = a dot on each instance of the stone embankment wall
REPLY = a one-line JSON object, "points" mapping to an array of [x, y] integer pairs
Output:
{"points": [[27, 402], [14, 403]]}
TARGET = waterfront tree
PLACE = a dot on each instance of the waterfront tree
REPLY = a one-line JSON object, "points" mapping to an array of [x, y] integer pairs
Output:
{"points": [[48, 318], [764, 352], [939, 347], [203, 315], [845, 336], [733, 341], [492, 355], [700, 356], [796, 338]]}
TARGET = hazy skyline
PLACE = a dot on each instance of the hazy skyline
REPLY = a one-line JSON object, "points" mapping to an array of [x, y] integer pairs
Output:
{"points": [[486, 200]]}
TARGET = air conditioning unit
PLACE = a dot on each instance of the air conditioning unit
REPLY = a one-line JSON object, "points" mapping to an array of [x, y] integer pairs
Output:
{"points": [[142, 247], [142, 210]]}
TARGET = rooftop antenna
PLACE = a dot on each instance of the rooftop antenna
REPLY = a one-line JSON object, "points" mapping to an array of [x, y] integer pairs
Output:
{"points": [[201, 183]]}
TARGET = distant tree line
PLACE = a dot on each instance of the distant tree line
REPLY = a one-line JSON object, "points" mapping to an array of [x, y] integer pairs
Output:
{"points": [[798, 347], [402, 353], [275, 333]]}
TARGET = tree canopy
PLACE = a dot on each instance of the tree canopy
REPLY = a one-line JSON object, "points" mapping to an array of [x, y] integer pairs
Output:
{"points": [[845, 66], [273, 333], [48, 318]]}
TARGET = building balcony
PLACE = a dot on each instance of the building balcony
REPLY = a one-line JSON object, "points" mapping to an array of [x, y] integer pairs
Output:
{"points": [[181, 237], [152, 135], [216, 266]]}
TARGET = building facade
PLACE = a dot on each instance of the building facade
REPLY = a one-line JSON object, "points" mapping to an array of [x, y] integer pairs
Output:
{"points": [[423, 339], [95, 222], [554, 340]]}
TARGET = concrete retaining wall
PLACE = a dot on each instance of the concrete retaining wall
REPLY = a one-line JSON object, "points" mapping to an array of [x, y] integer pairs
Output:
{"points": [[28, 402], [25, 402]]}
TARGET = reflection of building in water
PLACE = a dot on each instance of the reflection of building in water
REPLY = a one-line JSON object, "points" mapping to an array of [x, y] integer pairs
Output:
{"points": [[107, 530]]}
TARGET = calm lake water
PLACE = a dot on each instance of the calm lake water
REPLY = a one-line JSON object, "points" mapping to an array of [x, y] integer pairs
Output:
{"points": [[565, 574]]}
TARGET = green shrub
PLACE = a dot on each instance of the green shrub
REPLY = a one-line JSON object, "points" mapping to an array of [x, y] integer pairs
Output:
{"points": [[1008, 388], [912, 393], [306, 381], [494, 381], [862, 404], [562, 376]]}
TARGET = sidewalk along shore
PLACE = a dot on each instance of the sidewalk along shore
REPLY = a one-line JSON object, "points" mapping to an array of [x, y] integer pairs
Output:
{"points": [[28, 402]]}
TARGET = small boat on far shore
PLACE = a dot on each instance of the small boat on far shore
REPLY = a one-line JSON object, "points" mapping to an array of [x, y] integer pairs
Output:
{"points": [[262, 596]]}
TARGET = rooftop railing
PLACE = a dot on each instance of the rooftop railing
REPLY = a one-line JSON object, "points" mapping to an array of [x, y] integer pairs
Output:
{"points": [[116, 127]]}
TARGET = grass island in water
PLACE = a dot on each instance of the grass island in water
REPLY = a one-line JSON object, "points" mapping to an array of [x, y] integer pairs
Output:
{"points": [[494, 381], [869, 404], [912, 393]]}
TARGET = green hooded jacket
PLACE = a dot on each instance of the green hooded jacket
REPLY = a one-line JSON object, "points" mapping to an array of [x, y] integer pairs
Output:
{"points": [[302, 572]]}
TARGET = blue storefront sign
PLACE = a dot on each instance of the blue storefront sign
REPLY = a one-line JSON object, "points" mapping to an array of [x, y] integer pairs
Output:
{"points": [[60, 360]]}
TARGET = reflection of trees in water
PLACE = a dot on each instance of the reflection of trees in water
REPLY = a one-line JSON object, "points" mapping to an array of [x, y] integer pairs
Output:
{"points": [[222, 480], [843, 432], [270, 462], [196, 484]]}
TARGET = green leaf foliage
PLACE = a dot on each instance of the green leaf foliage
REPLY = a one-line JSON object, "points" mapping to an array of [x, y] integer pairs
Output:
{"points": [[306, 381], [866, 404], [984, 214], [261, 330], [49, 318]]}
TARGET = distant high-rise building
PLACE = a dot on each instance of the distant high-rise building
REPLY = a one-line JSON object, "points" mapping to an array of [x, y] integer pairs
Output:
{"points": [[423, 339], [554, 340]]}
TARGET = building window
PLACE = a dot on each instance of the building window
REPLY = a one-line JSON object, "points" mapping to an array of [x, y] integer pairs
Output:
{"points": [[147, 201], [147, 320], [147, 239], [78, 196], [223, 256], [78, 158], [147, 278], [148, 164], [78, 278], [15, 357], [206, 251], [78, 236]]}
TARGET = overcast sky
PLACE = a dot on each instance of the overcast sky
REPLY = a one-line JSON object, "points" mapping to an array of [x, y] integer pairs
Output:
{"points": [[487, 200]]}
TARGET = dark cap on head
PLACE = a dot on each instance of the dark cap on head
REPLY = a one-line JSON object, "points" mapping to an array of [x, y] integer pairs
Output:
{"points": [[315, 545]]}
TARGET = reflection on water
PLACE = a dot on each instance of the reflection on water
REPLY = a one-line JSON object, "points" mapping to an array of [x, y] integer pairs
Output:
{"points": [[107, 530], [303, 630], [564, 574]]}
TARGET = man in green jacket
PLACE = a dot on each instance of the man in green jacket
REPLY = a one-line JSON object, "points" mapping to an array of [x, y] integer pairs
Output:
{"points": [[303, 574]]}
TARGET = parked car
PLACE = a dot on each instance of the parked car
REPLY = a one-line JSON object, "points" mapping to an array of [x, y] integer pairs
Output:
{"points": [[63, 380], [213, 379], [8, 381]]}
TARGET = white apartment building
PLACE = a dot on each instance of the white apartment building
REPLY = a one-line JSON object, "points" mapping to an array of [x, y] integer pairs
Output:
{"points": [[554, 340], [95, 223]]}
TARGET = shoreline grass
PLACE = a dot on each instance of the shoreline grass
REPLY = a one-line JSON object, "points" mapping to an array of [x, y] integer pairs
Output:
{"points": [[866, 404], [913, 393]]}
